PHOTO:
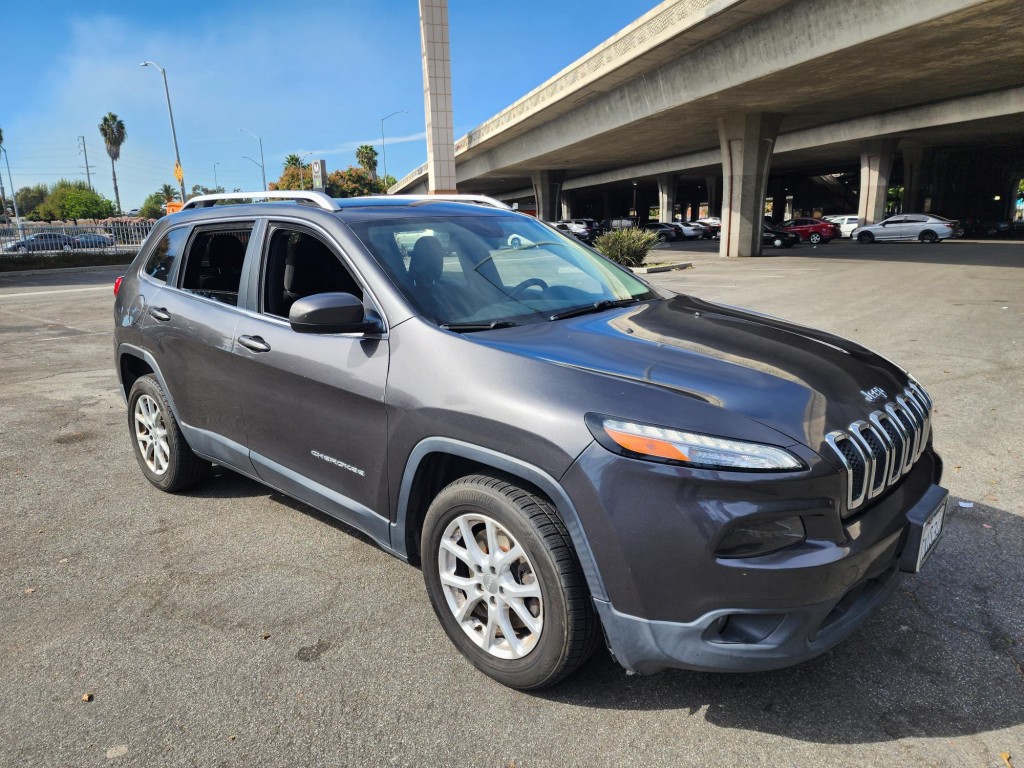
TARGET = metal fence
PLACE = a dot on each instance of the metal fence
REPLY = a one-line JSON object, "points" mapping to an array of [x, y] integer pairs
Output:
{"points": [[108, 237]]}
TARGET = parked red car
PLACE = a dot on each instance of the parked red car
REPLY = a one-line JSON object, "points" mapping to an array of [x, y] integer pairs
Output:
{"points": [[812, 230]]}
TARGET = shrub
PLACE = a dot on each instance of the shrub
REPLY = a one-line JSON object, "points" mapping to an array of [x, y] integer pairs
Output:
{"points": [[628, 247]]}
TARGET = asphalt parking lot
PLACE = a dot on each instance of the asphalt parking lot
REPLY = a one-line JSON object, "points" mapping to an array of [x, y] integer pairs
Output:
{"points": [[232, 626]]}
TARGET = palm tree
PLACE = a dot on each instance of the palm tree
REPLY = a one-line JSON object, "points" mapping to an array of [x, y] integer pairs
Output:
{"points": [[292, 161], [113, 133], [366, 156], [168, 193]]}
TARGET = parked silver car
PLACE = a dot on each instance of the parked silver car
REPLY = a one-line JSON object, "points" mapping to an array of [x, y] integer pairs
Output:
{"points": [[908, 226]]}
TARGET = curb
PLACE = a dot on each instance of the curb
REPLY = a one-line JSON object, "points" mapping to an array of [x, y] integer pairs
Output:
{"points": [[60, 270], [661, 268]]}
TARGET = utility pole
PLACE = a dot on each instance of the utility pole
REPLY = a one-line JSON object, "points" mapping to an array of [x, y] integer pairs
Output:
{"points": [[88, 178]]}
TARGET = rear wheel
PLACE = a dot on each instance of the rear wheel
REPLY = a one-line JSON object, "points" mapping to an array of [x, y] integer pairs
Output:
{"points": [[165, 458], [505, 583], [865, 237], [928, 236]]}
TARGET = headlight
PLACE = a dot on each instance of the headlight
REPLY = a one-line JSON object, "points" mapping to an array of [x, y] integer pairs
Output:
{"points": [[671, 446]]}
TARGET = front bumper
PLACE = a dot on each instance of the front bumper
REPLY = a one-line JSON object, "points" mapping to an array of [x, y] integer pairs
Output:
{"points": [[673, 603]]}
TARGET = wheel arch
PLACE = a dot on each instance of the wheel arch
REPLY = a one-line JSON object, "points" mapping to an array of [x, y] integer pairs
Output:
{"points": [[437, 461]]}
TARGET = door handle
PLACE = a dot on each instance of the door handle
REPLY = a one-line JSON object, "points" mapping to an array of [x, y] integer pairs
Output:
{"points": [[255, 343], [160, 313]]}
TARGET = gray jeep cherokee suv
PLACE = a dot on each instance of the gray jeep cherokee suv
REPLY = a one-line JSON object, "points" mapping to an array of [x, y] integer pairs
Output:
{"points": [[569, 452]]}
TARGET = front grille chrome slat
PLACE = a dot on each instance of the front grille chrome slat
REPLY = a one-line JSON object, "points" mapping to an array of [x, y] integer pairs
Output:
{"points": [[877, 452]]}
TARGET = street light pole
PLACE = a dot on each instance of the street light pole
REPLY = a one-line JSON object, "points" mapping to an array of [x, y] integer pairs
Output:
{"points": [[215, 184], [246, 157], [263, 167], [170, 114], [14, 196], [383, 151], [302, 175]]}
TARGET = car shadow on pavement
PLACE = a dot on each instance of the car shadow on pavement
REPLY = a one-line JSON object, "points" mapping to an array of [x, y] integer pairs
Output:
{"points": [[944, 657]]}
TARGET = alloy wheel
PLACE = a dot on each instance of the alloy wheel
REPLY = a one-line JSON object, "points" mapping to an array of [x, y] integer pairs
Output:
{"points": [[151, 435]]}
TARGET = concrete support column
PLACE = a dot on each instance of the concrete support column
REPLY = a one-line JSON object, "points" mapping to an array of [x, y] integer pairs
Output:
{"points": [[915, 162], [567, 201], [747, 142], [547, 188], [876, 158], [714, 196], [437, 96], [666, 197]]}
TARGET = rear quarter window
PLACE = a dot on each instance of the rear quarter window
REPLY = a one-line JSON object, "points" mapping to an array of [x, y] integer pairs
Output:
{"points": [[165, 254]]}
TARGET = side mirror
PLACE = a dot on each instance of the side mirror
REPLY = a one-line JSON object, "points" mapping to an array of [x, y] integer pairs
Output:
{"points": [[331, 313]]}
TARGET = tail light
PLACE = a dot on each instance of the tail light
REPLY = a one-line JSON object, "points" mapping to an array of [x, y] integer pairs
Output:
{"points": [[117, 284]]}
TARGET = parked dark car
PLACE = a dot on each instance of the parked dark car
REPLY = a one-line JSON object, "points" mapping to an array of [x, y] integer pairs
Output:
{"points": [[778, 237], [41, 241], [93, 240], [813, 231], [664, 232], [571, 454]]}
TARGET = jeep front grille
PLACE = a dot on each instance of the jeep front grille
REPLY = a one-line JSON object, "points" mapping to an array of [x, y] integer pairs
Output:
{"points": [[877, 452]]}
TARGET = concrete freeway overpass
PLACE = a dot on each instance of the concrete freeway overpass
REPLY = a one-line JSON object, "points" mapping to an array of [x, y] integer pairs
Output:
{"points": [[726, 102]]}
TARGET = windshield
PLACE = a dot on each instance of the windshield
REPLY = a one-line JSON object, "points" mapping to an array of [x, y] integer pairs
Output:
{"points": [[482, 270]]}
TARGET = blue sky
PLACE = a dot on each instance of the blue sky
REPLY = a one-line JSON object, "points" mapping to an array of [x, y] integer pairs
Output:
{"points": [[307, 77]]}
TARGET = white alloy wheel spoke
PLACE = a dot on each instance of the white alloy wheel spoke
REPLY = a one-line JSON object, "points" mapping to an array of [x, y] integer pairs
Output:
{"points": [[491, 630], [458, 582], [505, 559], [513, 589], [507, 629], [467, 608], [532, 623]]}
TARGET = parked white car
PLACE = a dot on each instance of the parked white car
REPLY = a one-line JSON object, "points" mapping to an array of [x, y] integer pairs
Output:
{"points": [[908, 226], [847, 222]]}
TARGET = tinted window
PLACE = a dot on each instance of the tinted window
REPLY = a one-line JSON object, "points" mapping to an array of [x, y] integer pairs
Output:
{"points": [[300, 264], [213, 263], [165, 254]]}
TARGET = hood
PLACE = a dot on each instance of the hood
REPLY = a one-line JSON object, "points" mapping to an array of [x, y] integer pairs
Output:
{"points": [[799, 381]]}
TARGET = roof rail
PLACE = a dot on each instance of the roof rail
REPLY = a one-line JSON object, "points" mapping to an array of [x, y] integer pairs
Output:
{"points": [[319, 199], [472, 199]]}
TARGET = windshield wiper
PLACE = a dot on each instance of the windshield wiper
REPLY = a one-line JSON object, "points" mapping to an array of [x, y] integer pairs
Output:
{"points": [[470, 327], [586, 309]]}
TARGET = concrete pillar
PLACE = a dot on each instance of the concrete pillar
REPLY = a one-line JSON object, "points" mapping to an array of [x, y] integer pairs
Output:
{"points": [[437, 96], [568, 198], [547, 188], [747, 142], [876, 158], [666, 197], [916, 159], [714, 196]]}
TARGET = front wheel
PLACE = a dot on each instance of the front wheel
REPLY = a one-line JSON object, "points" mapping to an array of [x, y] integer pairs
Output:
{"points": [[165, 458], [928, 236], [814, 238], [505, 583], [865, 237]]}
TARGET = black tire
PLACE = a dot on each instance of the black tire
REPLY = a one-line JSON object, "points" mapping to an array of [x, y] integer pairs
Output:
{"points": [[865, 237], [929, 237], [569, 626], [787, 243], [183, 468]]}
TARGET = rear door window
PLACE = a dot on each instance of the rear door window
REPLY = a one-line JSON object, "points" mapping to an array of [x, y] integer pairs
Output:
{"points": [[165, 254], [213, 263]]}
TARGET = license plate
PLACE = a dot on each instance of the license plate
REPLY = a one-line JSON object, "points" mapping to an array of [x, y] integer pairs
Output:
{"points": [[925, 540]]}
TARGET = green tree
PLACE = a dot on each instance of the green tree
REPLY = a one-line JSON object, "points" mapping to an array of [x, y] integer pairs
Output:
{"points": [[72, 200], [199, 189], [151, 206], [30, 198], [169, 193], [366, 156], [352, 182], [113, 132], [292, 161]]}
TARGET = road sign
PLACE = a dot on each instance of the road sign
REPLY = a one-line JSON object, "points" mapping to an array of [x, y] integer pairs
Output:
{"points": [[178, 173]]}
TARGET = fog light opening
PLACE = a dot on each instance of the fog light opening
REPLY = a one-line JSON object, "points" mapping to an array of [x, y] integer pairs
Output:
{"points": [[753, 538]]}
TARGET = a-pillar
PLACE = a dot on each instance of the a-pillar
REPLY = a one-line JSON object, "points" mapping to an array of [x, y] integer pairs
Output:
{"points": [[714, 196], [747, 142], [666, 197], [876, 158], [547, 187], [915, 164]]}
